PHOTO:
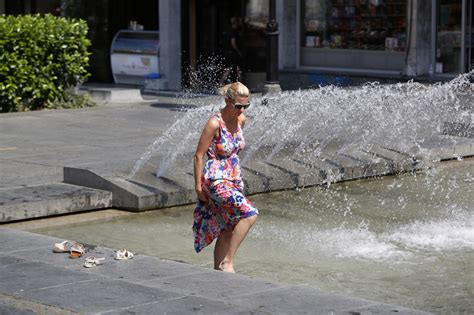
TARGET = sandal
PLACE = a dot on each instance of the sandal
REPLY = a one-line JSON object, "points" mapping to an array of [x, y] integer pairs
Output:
{"points": [[61, 247], [93, 261], [122, 254], [77, 250]]}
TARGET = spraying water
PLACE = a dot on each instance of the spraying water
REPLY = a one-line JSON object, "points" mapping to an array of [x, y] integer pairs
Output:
{"points": [[310, 125]]}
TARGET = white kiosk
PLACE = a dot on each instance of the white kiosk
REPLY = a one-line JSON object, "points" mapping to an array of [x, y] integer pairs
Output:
{"points": [[134, 55]]}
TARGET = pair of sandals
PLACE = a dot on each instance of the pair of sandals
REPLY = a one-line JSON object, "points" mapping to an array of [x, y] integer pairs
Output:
{"points": [[119, 255], [75, 251], [123, 254]]}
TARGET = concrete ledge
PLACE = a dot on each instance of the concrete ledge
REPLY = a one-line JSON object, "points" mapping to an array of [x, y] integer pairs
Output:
{"points": [[279, 173], [113, 94], [47, 200], [130, 195]]}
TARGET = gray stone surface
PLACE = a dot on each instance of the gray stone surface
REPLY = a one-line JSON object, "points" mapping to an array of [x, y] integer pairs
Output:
{"points": [[186, 305], [269, 89], [113, 94], [10, 310], [36, 280], [46, 200]]}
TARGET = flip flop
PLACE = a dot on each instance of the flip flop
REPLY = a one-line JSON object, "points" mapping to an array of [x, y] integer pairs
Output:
{"points": [[123, 254], [93, 261], [77, 250], [61, 247]]}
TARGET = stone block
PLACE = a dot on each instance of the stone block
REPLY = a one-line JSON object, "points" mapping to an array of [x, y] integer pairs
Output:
{"points": [[372, 164], [47, 200], [303, 175], [113, 94], [397, 161], [277, 179]]}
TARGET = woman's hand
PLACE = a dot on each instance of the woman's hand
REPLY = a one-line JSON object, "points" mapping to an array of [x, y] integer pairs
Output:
{"points": [[202, 196]]}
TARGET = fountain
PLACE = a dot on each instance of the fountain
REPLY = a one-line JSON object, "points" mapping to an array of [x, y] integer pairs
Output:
{"points": [[405, 239], [305, 138]]}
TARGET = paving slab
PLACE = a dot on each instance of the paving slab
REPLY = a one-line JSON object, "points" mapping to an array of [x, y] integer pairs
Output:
{"points": [[214, 285], [22, 277], [98, 295], [6, 309], [10, 305], [36, 279], [187, 305], [299, 300]]}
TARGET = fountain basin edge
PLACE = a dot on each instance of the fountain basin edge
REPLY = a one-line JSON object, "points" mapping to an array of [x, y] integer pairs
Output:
{"points": [[266, 176]]}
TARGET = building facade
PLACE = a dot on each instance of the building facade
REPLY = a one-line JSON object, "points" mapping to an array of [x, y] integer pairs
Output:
{"points": [[378, 38]]}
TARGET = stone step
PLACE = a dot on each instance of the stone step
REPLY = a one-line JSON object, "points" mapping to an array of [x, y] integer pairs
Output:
{"points": [[23, 203], [113, 94]]}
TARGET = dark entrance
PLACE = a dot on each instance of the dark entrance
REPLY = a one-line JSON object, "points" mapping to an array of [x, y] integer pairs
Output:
{"points": [[207, 36]]}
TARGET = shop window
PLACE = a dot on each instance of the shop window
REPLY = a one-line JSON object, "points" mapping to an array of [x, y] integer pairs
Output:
{"points": [[448, 53], [354, 24]]}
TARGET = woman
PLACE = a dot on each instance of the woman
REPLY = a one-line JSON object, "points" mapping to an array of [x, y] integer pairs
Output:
{"points": [[222, 211]]}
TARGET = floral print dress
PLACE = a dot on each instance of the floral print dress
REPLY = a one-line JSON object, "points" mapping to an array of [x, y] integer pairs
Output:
{"points": [[221, 179]]}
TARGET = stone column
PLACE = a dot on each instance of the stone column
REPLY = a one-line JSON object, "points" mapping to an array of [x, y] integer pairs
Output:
{"points": [[286, 13], [418, 38], [170, 42]]}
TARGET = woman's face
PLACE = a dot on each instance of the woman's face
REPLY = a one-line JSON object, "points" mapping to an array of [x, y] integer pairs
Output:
{"points": [[239, 104]]}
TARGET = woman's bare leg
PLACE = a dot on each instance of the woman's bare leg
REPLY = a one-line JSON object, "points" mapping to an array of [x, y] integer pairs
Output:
{"points": [[228, 244], [221, 248]]}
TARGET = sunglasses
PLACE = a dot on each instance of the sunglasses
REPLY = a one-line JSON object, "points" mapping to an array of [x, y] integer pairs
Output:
{"points": [[240, 106]]}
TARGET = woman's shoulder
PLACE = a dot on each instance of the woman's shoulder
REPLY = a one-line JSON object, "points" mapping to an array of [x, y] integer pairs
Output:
{"points": [[214, 120]]}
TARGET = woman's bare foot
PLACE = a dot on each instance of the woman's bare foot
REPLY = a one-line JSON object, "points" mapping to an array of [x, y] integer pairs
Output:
{"points": [[226, 267]]}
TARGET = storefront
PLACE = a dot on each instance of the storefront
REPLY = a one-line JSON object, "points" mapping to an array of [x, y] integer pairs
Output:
{"points": [[411, 38], [376, 36], [365, 35]]}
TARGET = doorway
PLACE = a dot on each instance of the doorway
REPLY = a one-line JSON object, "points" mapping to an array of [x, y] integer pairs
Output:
{"points": [[207, 37], [455, 36]]}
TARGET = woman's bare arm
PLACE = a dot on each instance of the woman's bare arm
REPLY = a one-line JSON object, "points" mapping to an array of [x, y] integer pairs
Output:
{"points": [[208, 133]]}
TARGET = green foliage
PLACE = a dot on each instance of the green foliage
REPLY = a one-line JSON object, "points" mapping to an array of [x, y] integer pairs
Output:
{"points": [[40, 58]]}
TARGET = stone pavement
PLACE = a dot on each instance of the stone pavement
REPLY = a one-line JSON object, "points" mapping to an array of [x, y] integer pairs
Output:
{"points": [[34, 280]]}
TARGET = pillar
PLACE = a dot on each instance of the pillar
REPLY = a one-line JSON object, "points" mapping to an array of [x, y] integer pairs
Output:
{"points": [[419, 30], [170, 42]]}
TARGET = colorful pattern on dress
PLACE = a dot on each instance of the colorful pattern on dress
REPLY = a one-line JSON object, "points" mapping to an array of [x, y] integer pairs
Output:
{"points": [[222, 180]]}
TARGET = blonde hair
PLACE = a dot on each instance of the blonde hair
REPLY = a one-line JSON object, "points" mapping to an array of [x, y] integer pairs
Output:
{"points": [[232, 90]]}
